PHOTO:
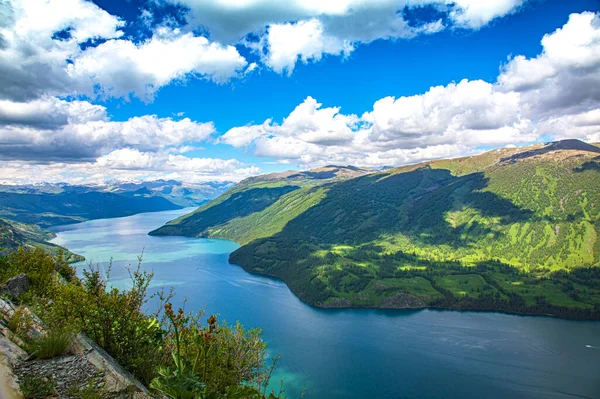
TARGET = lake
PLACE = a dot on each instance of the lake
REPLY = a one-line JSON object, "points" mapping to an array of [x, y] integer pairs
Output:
{"points": [[355, 353]]}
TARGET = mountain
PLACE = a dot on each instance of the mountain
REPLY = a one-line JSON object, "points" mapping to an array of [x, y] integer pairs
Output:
{"points": [[259, 206], [180, 193], [14, 234], [69, 207], [25, 207], [512, 229]]}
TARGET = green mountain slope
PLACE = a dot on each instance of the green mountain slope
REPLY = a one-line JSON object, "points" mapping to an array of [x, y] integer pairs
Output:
{"points": [[47, 209], [14, 235], [513, 230]]}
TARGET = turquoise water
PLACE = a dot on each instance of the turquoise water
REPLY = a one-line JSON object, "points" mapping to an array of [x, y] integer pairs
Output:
{"points": [[356, 353]]}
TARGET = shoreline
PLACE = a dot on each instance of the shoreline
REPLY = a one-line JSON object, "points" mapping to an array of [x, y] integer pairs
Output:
{"points": [[428, 307]]}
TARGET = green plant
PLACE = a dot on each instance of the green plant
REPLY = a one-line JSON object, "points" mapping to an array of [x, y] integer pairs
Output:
{"points": [[112, 318], [37, 265], [89, 391], [63, 267], [202, 363], [37, 387], [54, 343], [21, 322]]}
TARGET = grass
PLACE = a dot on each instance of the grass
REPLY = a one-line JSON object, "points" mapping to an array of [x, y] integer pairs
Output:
{"points": [[89, 391], [37, 387], [53, 343], [466, 284]]}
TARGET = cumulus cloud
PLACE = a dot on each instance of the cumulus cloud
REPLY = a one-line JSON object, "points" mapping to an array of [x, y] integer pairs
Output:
{"points": [[53, 129], [47, 51], [556, 93], [300, 30], [307, 122], [565, 76], [304, 40], [121, 67]]}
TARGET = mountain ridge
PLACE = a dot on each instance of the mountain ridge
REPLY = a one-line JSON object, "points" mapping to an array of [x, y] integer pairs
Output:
{"points": [[473, 232]]}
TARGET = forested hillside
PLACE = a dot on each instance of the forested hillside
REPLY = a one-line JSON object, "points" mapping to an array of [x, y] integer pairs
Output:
{"points": [[511, 229], [14, 235]]}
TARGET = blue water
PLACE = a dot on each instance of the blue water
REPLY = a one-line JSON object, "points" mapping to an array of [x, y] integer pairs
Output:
{"points": [[356, 353]]}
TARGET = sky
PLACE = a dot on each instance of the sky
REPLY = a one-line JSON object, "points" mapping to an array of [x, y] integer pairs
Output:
{"points": [[200, 90]]}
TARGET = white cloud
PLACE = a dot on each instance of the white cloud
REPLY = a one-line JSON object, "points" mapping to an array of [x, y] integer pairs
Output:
{"points": [[306, 30], [125, 165], [308, 122], [40, 53], [121, 67], [49, 113], [476, 13], [565, 77], [470, 112], [445, 121], [57, 129], [132, 159], [304, 40], [455, 119]]}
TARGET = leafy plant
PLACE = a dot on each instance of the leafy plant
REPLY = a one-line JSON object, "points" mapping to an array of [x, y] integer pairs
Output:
{"points": [[200, 366], [37, 387], [63, 267], [113, 318], [37, 265]]}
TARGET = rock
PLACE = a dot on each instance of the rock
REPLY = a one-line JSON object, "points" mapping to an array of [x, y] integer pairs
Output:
{"points": [[66, 371], [403, 301], [7, 309], [10, 355], [116, 379], [338, 303], [17, 286]]}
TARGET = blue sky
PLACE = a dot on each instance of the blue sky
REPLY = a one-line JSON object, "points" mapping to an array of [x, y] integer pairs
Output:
{"points": [[207, 89]]}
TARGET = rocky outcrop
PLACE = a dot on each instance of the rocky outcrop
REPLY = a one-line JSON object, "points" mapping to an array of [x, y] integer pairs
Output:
{"points": [[67, 371], [115, 377], [85, 363], [16, 286], [403, 301]]}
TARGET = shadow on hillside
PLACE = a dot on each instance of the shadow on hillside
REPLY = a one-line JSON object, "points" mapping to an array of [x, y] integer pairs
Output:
{"points": [[589, 165], [569, 144], [326, 174], [415, 204], [239, 204]]}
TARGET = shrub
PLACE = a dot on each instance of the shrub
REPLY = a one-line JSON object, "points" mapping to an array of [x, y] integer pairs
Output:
{"points": [[20, 323], [112, 318], [39, 267], [37, 387], [213, 361], [63, 267], [54, 343]]}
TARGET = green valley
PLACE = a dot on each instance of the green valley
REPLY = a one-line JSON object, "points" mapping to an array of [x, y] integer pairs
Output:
{"points": [[513, 230]]}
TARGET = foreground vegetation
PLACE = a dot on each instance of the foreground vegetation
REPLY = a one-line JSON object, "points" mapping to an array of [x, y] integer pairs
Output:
{"points": [[513, 230], [174, 353]]}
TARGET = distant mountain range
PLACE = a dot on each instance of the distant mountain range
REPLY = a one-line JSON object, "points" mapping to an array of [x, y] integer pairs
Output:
{"points": [[26, 209], [514, 229]]}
